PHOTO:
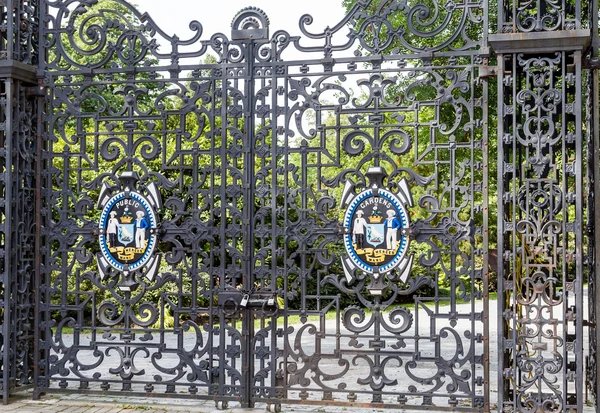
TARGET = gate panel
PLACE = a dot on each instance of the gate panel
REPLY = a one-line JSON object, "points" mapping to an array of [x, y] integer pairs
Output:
{"points": [[115, 111], [19, 127], [344, 336], [251, 162], [18, 117], [540, 221], [541, 283], [407, 346]]}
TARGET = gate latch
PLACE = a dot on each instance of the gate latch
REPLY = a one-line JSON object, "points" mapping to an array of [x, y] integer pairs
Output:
{"points": [[235, 298]]}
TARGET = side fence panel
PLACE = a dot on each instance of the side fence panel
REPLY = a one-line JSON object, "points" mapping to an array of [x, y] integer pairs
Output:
{"points": [[540, 196], [19, 125]]}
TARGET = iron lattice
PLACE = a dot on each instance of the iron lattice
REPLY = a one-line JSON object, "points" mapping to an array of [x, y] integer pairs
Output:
{"points": [[247, 154], [251, 154]]}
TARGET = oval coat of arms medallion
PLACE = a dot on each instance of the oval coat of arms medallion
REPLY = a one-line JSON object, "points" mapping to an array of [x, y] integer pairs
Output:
{"points": [[377, 235], [127, 231]]}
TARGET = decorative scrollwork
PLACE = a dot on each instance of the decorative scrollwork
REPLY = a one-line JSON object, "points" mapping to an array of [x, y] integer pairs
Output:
{"points": [[252, 155], [540, 15], [402, 27], [542, 229], [18, 114]]}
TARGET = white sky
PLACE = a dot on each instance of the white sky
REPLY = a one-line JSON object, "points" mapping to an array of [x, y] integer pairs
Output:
{"points": [[173, 16]]}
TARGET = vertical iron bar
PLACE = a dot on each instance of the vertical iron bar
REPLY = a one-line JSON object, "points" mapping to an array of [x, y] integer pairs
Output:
{"points": [[579, 234], [596, 138], [8, 287], [514, 157], [10, 31], [247, 273], [39, 307], [485, 223], [595, 208], [274, 225], [223, 250], [38, 246], [500, 233], [594, 28], [8, 279], [590, 239]]}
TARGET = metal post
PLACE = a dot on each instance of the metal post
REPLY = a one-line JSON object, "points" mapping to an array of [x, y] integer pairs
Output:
{"points": [[8, 287], [500, 236], [39, 317], [37, 295], [248, 281], [596, 155], [486, 271], [579, 232], [8, 197], [7, 367], [10, 31]]}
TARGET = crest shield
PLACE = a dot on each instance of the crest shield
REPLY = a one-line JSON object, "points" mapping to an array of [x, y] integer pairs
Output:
{"points": [[375, 234], [125, 234]]}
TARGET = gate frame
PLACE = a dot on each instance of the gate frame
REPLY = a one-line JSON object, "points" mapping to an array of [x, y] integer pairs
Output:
{"points": [[19, 73]]}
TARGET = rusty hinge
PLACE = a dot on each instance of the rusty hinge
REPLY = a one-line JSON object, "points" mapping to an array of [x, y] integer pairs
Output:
{"points": [[588, 323], [36, 91], [591, 63], [486, 71]]}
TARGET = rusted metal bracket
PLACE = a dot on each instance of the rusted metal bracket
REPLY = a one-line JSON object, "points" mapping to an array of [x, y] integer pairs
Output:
{"points": [[486, 71], [36, 91]]}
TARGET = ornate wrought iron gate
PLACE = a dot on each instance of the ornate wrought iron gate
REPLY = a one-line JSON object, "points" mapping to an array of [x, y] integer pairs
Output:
{"points": [[261, 163], [268, 218]]}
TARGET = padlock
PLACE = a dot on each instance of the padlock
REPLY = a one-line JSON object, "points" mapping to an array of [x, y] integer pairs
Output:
{"points": [[245, 300]]}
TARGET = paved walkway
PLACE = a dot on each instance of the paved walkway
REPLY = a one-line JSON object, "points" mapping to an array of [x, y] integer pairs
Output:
{"points": [[53, 403]]}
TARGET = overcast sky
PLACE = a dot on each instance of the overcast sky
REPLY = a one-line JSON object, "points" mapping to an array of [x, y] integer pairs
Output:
{"points": [[173, 16]]}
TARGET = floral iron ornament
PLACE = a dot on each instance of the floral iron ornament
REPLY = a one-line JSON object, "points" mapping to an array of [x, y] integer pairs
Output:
{"points": [[376, 230], [128, 231]]}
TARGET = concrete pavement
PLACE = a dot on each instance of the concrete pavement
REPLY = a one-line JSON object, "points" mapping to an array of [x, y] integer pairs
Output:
{"points": [[55, 403]]}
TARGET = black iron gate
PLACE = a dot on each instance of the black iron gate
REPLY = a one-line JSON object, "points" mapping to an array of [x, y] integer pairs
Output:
{"points": [[268, 169], [268, 218]]}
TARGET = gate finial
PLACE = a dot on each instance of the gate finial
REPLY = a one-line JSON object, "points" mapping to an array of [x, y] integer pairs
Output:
{"points": [[250, 23]]}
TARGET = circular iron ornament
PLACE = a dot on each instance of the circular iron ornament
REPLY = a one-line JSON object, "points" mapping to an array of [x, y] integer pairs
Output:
{"points": [[127, 231], [376, 237]]}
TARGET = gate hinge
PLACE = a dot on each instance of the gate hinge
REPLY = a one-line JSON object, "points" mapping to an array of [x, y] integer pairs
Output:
{"points": [[486, 71], [591, 63], [36, 91]]}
